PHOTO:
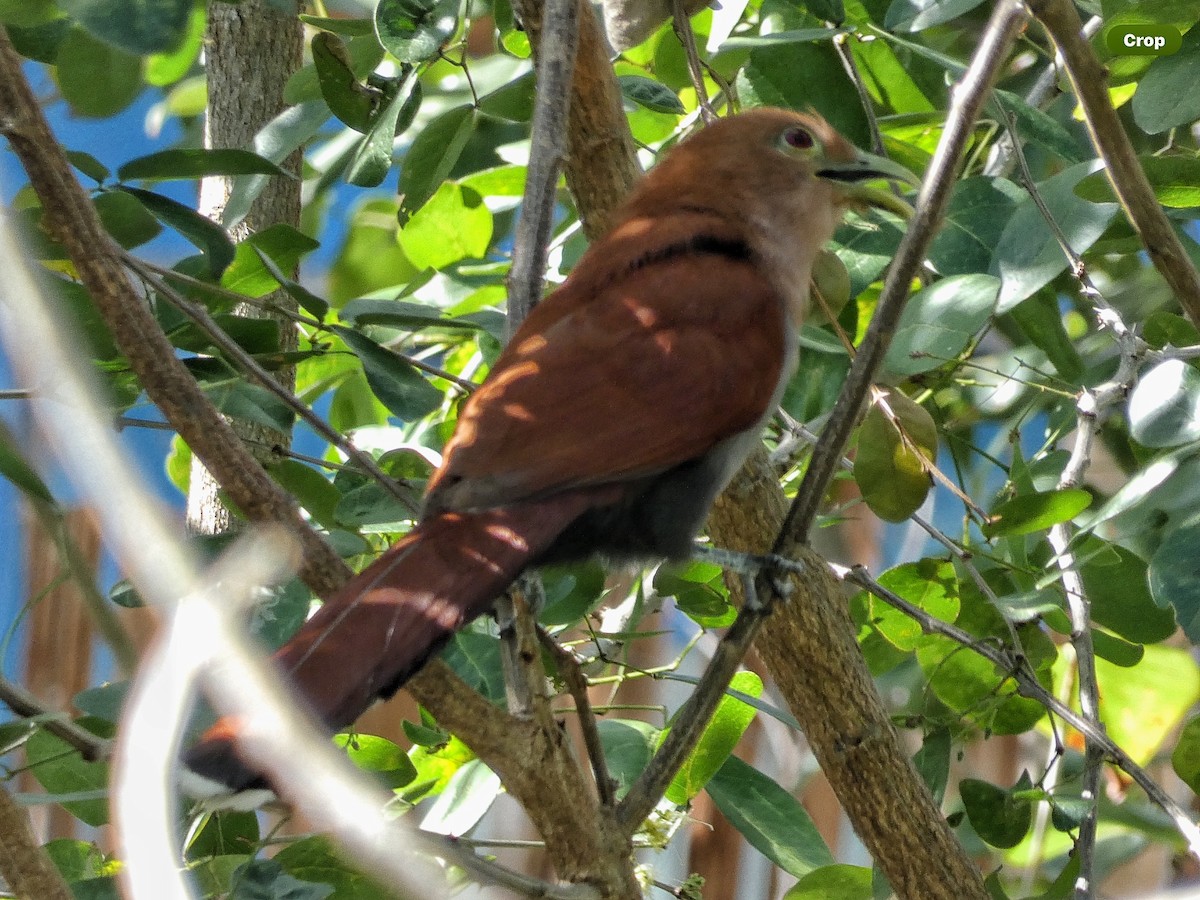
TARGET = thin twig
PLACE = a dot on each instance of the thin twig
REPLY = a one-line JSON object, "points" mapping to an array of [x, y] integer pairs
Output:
{"points": [[577, 685], [683, 30], [250, 366], [1129, 181], [90, 746], [967, 99], [1028, 686]]}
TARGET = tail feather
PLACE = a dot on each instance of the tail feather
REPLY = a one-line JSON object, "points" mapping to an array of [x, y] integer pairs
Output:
{"points": [[383, 625]]}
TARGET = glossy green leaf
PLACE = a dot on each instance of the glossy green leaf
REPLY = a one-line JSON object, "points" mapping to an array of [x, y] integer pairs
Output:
{"points": [[1028, 256], [454, 224], [895, 447], [371, 504], [1117, 585], [1034, 512], [1185, 758], [204, 233], [1116, 650], [373, 160], [834, 882], [243, 400], [433, 155], [197, 162], [651, 94], [282, 243], [771, 819], [1175, 179], [1038, 128], [466, 800], [979, 209], [260, 879], [96, 78], [1166, 95], [699, 591], [930, 584], [1042, 323], [350, 101], [512, 101], [225, 833], [313, 859], [127, 220], [169, 66], [401, 314], [60, 769], [379, 756], [414, 31], [136, 26], [769, 79], [939, 322], [1142, 706], [932, 761], [306, 299], [1164, 407], [312, 490], [404, 391], [778, 38], [40, 42], [1175, 578], [729, 722], [628, 746], [998, 816], [917, 15]]}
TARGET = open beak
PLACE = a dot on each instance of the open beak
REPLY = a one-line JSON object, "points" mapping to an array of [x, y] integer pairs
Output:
{"points": [[854, 173]]}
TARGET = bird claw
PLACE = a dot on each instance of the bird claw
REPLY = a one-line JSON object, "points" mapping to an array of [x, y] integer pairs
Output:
{"points": [[750, 565]]}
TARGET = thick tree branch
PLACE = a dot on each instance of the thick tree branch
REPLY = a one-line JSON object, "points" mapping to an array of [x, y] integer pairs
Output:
{"points": [[26, 867]]}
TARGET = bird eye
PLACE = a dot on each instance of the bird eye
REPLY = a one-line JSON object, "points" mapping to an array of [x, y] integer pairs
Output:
{"points": [[799, 138]]}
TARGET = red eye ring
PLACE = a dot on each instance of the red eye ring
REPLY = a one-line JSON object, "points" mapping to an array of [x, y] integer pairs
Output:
{"points": [[799, 138]]}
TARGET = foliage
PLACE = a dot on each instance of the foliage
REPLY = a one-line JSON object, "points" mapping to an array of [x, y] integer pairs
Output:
{"points": [[986, 372]]}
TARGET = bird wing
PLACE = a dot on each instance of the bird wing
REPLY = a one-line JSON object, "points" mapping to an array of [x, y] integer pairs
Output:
{"points": [[608, 382]]}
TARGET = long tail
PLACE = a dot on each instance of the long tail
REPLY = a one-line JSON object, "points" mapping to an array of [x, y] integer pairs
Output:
{"points": [[385, 623]]}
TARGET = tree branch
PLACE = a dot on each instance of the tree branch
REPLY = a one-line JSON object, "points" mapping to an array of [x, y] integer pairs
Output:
{"points": [[1129, 182]]}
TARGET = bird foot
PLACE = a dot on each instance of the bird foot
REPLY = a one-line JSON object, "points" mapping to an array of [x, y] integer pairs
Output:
{"points": [[750, 565]]}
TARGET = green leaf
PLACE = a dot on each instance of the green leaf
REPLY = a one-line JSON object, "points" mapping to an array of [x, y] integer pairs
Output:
{"points": [[28, 13], [777, 38], [1034, 512], [285, 246], [127, 220], [513, 100], [1117, 651], [379, 756], [770, 818], [930, 584], [414, 31], [475, 658], [15, 468], [571, 592], [1037, 127], [1142, 706], [1040, 320], [1175, 578], [1175, 179], [393, 379], [136, 26], [243, 400], [932, 761], [312, 490], [60, 769], [1117, 584], [729, 722], [1185, 758], [997, 816], [433, 155], [939, 322], [1028, 256], [1164, 407], [97, 79], [370, 504], [399, 314], [224, 834], [651, 94], [197, 162], [203, 232], [833, 882], [40, 42], [306, 299], [170, 66], [1166, 96], [348, 27], [454, 224], [917, 15], [314, 860], [769, 79], [467, 798], [373, 159], [895, 447], [699, 591], [628, 746], [350, 101]]}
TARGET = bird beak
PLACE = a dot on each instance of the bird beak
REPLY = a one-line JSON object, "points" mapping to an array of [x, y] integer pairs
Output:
{"points": [[852, 174]]}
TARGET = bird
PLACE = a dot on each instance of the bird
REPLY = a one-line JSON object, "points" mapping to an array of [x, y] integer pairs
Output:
{"points": [[620, 408]]}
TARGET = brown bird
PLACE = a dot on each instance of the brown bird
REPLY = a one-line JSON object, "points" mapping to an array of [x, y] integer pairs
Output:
{"points": [[622, 406]]}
